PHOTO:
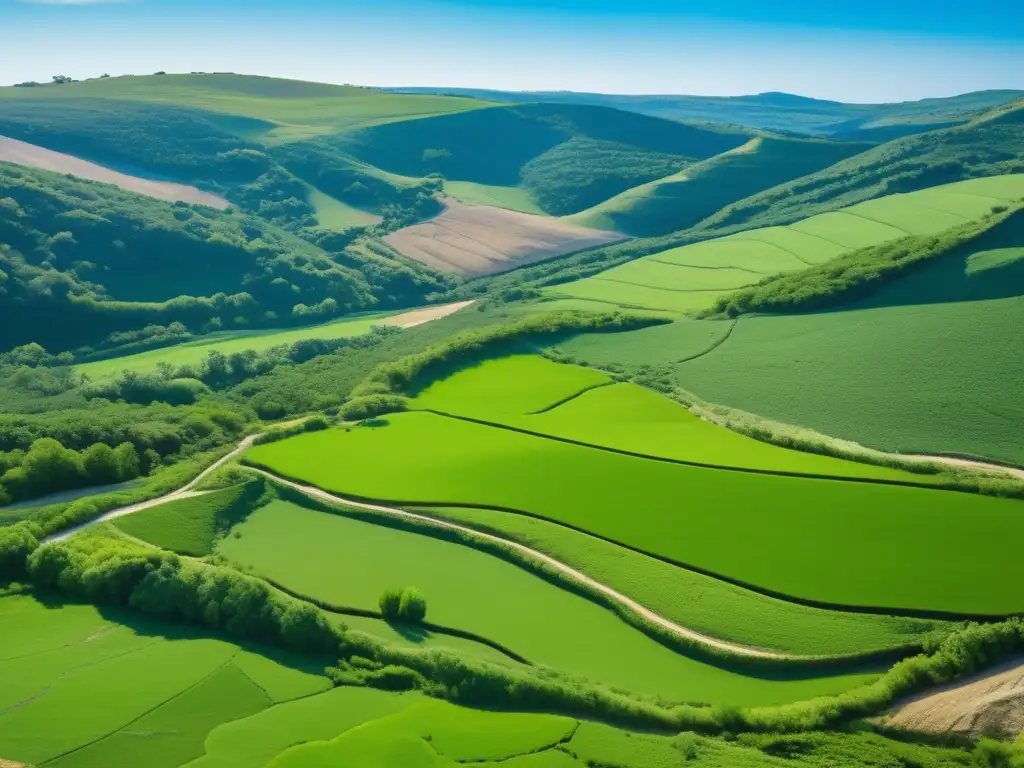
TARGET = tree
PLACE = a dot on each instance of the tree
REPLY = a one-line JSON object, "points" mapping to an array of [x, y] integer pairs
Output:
{"points": [[61, 79], [413, 606], [127, 461], [100, 464]]}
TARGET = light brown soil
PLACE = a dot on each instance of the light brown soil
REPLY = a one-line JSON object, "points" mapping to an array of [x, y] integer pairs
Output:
{"points": [[965, 463], [481, 240], [988, 704], [425, 315], [12, 764], [20, 153]]}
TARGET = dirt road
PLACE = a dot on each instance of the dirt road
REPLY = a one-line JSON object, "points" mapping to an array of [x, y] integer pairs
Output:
{"points": [[420, 316], [185, 492]]}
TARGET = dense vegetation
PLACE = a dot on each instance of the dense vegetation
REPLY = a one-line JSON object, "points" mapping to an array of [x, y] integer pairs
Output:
{"points": [[82, 261]]}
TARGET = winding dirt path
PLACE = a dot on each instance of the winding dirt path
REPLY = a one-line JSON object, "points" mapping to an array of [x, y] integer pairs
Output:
{"points": [[558, 565], [186, 491]]}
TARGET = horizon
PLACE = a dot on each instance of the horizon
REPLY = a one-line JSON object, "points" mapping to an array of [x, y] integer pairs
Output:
{"points": [[582, 46]]}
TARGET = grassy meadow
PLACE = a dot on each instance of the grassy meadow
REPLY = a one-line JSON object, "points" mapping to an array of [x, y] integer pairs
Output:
{"points": [[691, 277], [350, 562], [583, 405], [911, 547], [227, 342], [125, 694], [708, 605]]}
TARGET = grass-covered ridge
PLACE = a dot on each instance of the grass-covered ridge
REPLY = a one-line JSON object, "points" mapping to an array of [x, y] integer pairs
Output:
{"points": [[693, 277]]}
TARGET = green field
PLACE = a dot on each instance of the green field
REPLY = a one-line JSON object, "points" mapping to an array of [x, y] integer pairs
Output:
{"points": [[332, 213], [527, 392], [911, 547], [691, 277], [683, 199], [140, 693], [350, 562], [658, 345], [710, 606], [194, 352]]}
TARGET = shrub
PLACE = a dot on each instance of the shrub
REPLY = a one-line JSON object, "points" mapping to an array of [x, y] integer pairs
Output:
{"points": [[17, 542], [390, 603], [413, 606], [368, 406], [315, 424]]}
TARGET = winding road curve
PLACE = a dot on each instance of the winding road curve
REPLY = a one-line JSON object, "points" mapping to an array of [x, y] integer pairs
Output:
{"points": [[682, 632]]}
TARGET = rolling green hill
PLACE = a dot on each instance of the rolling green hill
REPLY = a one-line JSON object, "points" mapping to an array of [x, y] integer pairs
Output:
{"points": [[80, 261], [684, 199], [693, 277], [768, 111]]}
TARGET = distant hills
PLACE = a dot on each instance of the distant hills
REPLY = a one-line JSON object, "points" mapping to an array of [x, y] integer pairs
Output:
{"points": [[770, 111]]}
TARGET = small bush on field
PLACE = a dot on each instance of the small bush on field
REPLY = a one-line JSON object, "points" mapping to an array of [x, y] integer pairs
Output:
{"points": [[404, 604], [368, 406]]}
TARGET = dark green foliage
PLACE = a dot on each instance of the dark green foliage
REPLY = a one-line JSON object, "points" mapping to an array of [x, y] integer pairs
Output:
{"points": [[48, 467], [368, 406], [857, 274], [81, 263], [390, 603], [17, 542], [160, 584]]}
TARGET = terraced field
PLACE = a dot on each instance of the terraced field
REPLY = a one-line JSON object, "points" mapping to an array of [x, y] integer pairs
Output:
{"points": [[691, 277], [930, 549], [349, 562]]}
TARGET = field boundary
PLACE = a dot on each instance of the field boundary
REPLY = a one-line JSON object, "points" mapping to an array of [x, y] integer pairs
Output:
{"points": [[570, 398], [402, 508], [680, 639], [689, 462]]}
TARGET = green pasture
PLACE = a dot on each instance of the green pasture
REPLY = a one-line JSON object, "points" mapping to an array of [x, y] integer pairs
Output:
{"points": [[511, 198], [350, 562], [702, 603], [683, 199], [227, 342], [909, 547], [137, 693], [527, 392], [514, 385], [334, 214], [914, 378], [656, 345], [693, 276], [435, 733], [293, 109], [188, 526], [254, 741]]}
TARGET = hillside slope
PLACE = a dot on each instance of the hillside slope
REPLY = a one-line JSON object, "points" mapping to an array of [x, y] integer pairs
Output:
{"points": [[932, 362], [768, 111], [686, 198], [80, 261]]}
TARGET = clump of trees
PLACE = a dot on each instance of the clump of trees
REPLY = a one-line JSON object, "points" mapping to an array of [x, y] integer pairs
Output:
{"points": [[403, 605], [17, 542], [48, 467]]}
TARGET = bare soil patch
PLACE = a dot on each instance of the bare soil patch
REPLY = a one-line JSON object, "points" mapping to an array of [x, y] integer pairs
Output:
{"points": [[12, 764], [20, 153], [425, 315], [988, 704], [481, 240]]}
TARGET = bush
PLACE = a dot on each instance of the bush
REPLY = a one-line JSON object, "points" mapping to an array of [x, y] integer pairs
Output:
{"points": [[368, 406], [17, 542], [390, 603], [315, 424], [413, 606]]}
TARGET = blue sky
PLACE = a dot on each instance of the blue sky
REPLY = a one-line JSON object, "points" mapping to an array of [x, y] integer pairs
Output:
{"points": [[864, 50]]}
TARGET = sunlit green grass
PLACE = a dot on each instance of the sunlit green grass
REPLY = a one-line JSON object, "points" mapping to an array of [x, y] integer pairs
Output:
{"points": [[828, 540], [350, 562], [194, 352], [693, 276], [512, 198]]}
